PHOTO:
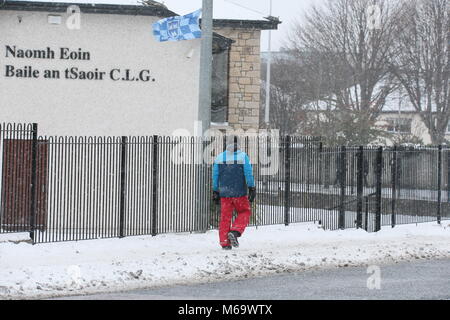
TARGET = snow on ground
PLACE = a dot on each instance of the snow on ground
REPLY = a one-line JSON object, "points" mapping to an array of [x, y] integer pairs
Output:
{"points": [[14, 238], [74, 268]]}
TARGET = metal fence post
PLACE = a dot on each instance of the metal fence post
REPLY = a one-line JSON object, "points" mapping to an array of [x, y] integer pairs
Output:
{"points": [[352, 176], [34, 151], [287, 180], [359, 186], [394, 185], [123, 164], [379, 171], [155, 176], [342, 181], [448, 175], [320, 163], [439, 184], [327, 165], [207, 187], [366, 218], [308, 165]]}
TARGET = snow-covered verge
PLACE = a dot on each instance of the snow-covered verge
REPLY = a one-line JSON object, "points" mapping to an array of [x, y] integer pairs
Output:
{"points": [[75, 268], [15, 237]]}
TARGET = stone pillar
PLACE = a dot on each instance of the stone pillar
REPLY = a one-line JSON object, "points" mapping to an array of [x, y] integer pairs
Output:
{"points": [[244, 77]]}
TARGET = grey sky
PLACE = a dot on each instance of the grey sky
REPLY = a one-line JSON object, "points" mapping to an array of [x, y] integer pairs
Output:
{"points": [[287, 10]]}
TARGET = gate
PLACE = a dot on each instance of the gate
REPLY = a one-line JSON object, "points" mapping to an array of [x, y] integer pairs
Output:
{"points": [[354, 177], [17, 187]]}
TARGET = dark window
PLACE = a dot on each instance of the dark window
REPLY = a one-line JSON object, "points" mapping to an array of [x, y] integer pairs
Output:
{"points": [[399, 125], [219, 99]]}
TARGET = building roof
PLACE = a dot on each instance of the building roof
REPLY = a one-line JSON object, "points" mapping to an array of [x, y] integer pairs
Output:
{"points": [[126, 9], [141, 10], [277, 55], [220, 42], [269, 24]]}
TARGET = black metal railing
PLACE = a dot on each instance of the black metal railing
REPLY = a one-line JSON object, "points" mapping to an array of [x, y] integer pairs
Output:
{"points": [[79, 188]]}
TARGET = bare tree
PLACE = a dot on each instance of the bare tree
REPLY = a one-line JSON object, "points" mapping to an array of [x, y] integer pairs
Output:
{"points": [[287, 92], [423, 63], [355, 52]]}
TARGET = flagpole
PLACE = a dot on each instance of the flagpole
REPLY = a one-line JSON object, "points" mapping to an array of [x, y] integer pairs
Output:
{"points": [[204, 110], [202, 202], [269, 61]]}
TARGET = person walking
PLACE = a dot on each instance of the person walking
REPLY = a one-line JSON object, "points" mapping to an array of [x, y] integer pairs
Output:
{"points": [[234, 189]]}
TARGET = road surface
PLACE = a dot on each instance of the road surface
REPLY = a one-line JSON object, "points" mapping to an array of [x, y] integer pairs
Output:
{"points": [[414, 280]]}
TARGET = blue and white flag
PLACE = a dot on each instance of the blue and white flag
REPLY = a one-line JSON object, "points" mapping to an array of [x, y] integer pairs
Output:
{"points": [[178, 28]]}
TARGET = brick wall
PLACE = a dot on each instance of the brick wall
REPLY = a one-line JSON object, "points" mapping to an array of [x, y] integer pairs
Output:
{"points": [[244, 77]]}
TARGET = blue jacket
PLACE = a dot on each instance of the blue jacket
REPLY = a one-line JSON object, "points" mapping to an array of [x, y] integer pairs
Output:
{"points": [[232, 174]]}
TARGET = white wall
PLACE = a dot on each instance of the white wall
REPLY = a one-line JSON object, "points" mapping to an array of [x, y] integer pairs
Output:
{"points": [[88, 107], [418, 128]]}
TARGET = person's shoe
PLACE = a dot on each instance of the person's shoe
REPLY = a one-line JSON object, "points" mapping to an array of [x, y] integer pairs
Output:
{"points": [[227, 248], [232, 237]]}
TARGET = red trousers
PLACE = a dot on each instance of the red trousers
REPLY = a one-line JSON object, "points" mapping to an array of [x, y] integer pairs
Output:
{"points": [[242, 206]]}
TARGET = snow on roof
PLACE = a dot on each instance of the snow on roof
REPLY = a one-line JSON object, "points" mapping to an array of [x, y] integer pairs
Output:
{"points": [[131, 8]]}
